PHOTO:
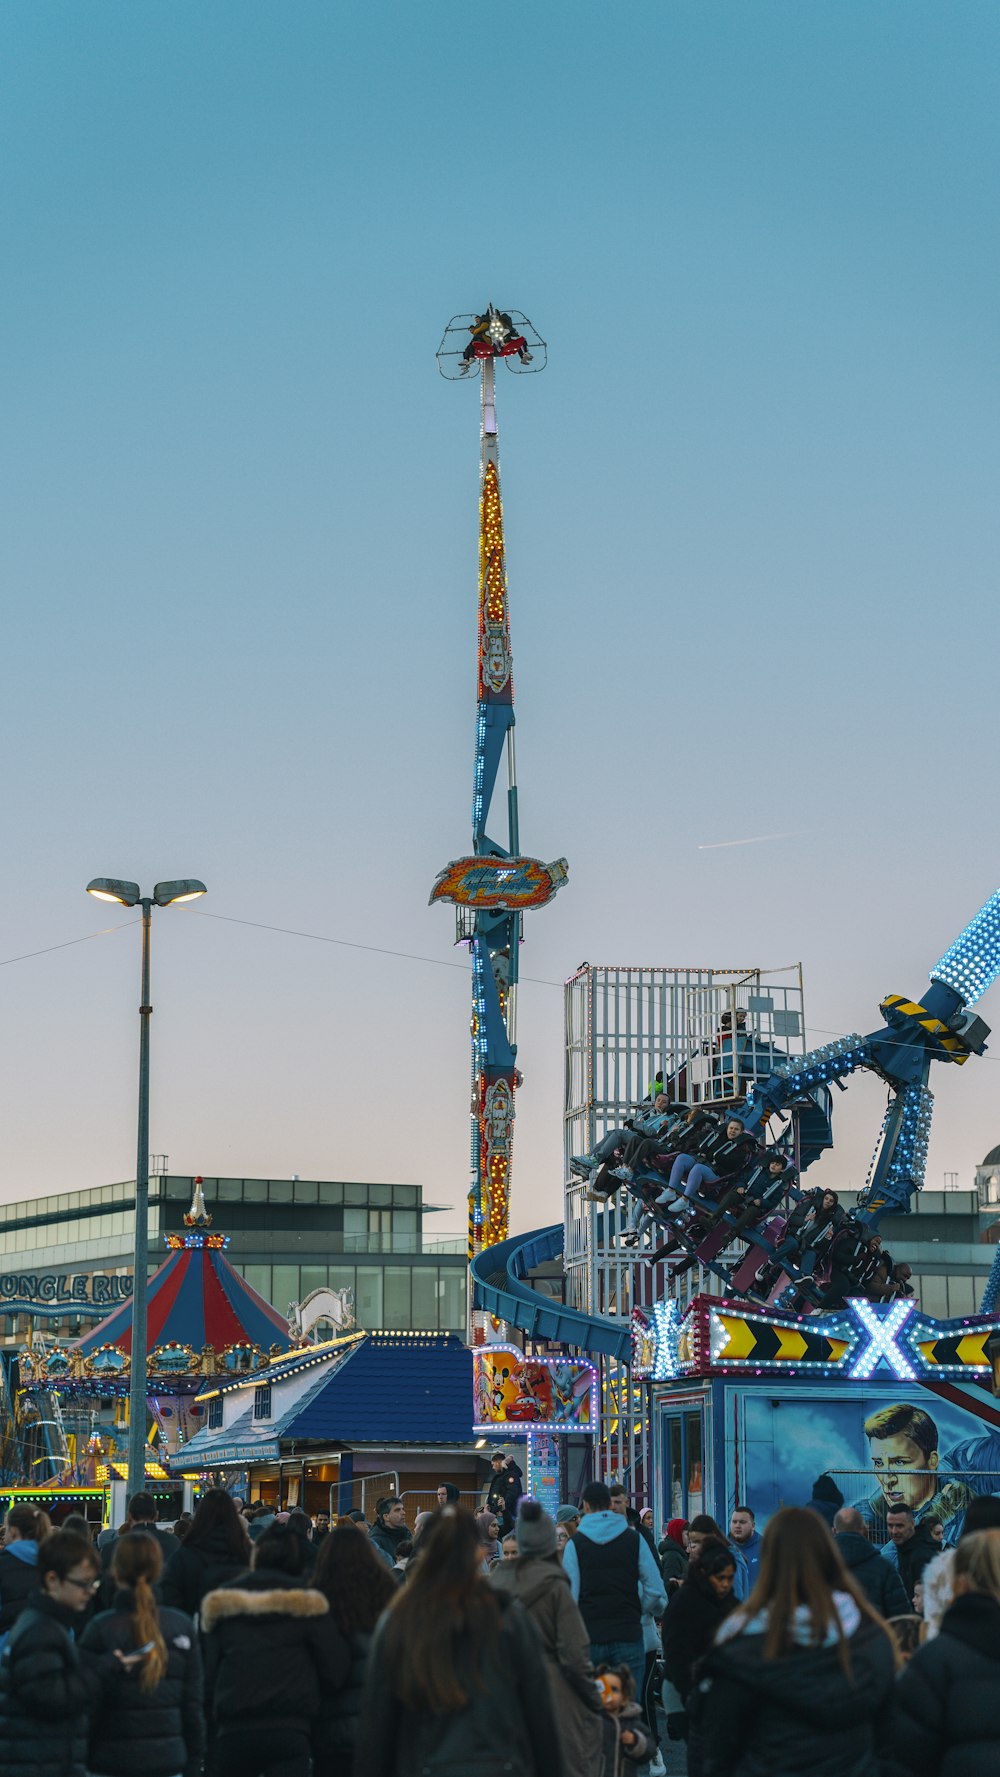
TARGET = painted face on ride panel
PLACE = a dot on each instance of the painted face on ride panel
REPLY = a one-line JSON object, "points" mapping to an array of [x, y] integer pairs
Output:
{"points": [[894, 1460]]}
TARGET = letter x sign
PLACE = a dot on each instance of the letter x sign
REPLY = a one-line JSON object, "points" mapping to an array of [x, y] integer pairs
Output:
{"points": [[882, 1323]]}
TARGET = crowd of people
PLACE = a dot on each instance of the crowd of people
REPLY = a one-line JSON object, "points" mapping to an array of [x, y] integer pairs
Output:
{"points": [[702, 1180], [254, 1643]]}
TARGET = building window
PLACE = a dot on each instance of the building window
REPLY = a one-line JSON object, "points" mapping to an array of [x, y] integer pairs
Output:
{"points": [[215, 1413], [396, 1298], [425, 1293], [368, 1296], [262, 1401], [453, 1288], [379, 1230], [404, 1231]]}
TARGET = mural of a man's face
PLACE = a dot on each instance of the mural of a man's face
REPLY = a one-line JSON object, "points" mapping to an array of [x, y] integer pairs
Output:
{"points": [[893, 1460]]}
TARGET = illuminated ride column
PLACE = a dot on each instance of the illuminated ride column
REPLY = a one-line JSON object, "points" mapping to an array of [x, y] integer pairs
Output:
{"points": [[495, 886]]}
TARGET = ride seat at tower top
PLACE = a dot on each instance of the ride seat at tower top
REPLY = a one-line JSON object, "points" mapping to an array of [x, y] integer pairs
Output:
{"points": [[467, 343]]}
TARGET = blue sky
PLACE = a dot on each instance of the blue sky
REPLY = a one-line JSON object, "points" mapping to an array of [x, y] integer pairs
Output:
{"points": [[752, 542]]}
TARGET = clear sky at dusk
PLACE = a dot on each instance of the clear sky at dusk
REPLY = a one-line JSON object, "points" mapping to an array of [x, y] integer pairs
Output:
{"points": [[751, 522]]}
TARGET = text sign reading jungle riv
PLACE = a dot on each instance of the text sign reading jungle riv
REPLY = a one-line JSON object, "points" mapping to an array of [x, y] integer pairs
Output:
{"points": [[89, 1288]]}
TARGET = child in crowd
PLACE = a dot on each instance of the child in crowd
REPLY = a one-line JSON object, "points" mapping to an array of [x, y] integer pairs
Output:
{"points": [[908, 1634], [624, 1738]]}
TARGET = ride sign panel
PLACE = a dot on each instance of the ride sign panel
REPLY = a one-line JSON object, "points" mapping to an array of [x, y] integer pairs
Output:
{"points": [[516, 1391]]}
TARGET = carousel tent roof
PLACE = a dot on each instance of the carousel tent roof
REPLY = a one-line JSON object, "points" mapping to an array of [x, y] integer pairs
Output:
{"points": [[196, 1298]]}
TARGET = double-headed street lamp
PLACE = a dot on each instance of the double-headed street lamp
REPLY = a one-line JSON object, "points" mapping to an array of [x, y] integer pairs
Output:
{"points": [[128, 894]]}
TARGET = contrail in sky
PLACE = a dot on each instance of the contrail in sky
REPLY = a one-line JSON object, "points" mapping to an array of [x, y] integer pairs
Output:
{"points": [[758, 839]]}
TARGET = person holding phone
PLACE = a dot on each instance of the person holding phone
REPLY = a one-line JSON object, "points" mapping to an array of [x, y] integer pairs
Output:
{"points": [[150, 1716], [47, 1685]]}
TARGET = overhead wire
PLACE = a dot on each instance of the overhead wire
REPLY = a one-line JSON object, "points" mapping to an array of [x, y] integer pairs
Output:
{"points": [[67, 943], [436, 962]]}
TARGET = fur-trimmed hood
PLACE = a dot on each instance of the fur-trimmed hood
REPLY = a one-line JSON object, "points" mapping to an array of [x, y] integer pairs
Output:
{"points": [[269, 1601]]}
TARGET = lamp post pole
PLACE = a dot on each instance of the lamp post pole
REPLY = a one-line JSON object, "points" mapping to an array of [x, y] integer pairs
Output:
{"points": [[129, 894], [140, 1260]]}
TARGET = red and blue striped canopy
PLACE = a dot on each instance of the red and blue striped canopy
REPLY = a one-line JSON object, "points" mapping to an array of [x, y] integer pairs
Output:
{"points": [[196, 1298]]}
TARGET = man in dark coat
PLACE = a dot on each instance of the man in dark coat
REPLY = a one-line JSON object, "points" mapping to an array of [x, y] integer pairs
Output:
{"points": [[910, 1548], [141, 1516], [504, 1491], [879, 1581], [389, 1528]]}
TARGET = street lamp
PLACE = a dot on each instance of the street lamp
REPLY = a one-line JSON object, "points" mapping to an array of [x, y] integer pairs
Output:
{"points": [[128, 894]]}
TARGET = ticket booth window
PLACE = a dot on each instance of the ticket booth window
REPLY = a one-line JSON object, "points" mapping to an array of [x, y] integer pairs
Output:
{"points": [[684, 1449]]}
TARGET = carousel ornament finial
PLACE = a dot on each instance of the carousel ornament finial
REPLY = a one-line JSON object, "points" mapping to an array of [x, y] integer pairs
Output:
{"points": [[198, 1216]]}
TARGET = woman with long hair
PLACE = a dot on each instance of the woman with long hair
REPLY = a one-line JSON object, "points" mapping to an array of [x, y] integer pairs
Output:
{"points": [[697, 1609], [25, 1529], [47, 1688], [948, 1699], [801, 1675], [272, 1653], [457, 1679], [215, 1549], [358, 1587], [149, 1718]]}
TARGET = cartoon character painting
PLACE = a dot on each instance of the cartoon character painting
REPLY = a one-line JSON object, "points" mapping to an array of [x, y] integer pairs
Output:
{"points": [[513, 1389]]}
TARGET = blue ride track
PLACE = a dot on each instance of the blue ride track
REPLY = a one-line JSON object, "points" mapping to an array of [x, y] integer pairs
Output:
{"points": [[499, 1284]]}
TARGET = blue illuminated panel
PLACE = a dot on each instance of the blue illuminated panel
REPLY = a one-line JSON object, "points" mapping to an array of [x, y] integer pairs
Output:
{"points": [[972, 963], [882, 1347], [909, 1156], [832, 1062]]}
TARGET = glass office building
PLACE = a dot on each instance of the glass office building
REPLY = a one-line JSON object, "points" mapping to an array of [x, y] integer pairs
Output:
{"points": [[287, 1237]]}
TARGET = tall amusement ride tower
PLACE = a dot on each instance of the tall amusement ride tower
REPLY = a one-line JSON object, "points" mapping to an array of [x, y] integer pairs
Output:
{"points": [[494, 886]]}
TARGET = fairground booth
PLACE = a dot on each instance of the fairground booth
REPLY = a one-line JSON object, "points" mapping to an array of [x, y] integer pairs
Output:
{"points": [[876, 1403]]}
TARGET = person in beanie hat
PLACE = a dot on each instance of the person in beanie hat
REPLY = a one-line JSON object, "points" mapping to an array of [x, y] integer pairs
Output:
{"points": [[537, 1580], [448, 1494], [827, 1498], [570, 1516]]}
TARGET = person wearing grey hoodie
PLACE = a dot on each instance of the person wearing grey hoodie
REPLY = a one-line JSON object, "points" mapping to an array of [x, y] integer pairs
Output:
{"points": [[536, 1578], [615, 1579]]}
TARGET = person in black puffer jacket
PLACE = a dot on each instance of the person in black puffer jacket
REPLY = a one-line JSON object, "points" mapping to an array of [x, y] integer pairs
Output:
{"points": [[948, 1699], [47, 1688], [215, 1550], [272, 1653], [801, 1676], [358, 1587], [456, 1680], [697, 1609], [150, 1716], [24, 1528], [878, 1579]]}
